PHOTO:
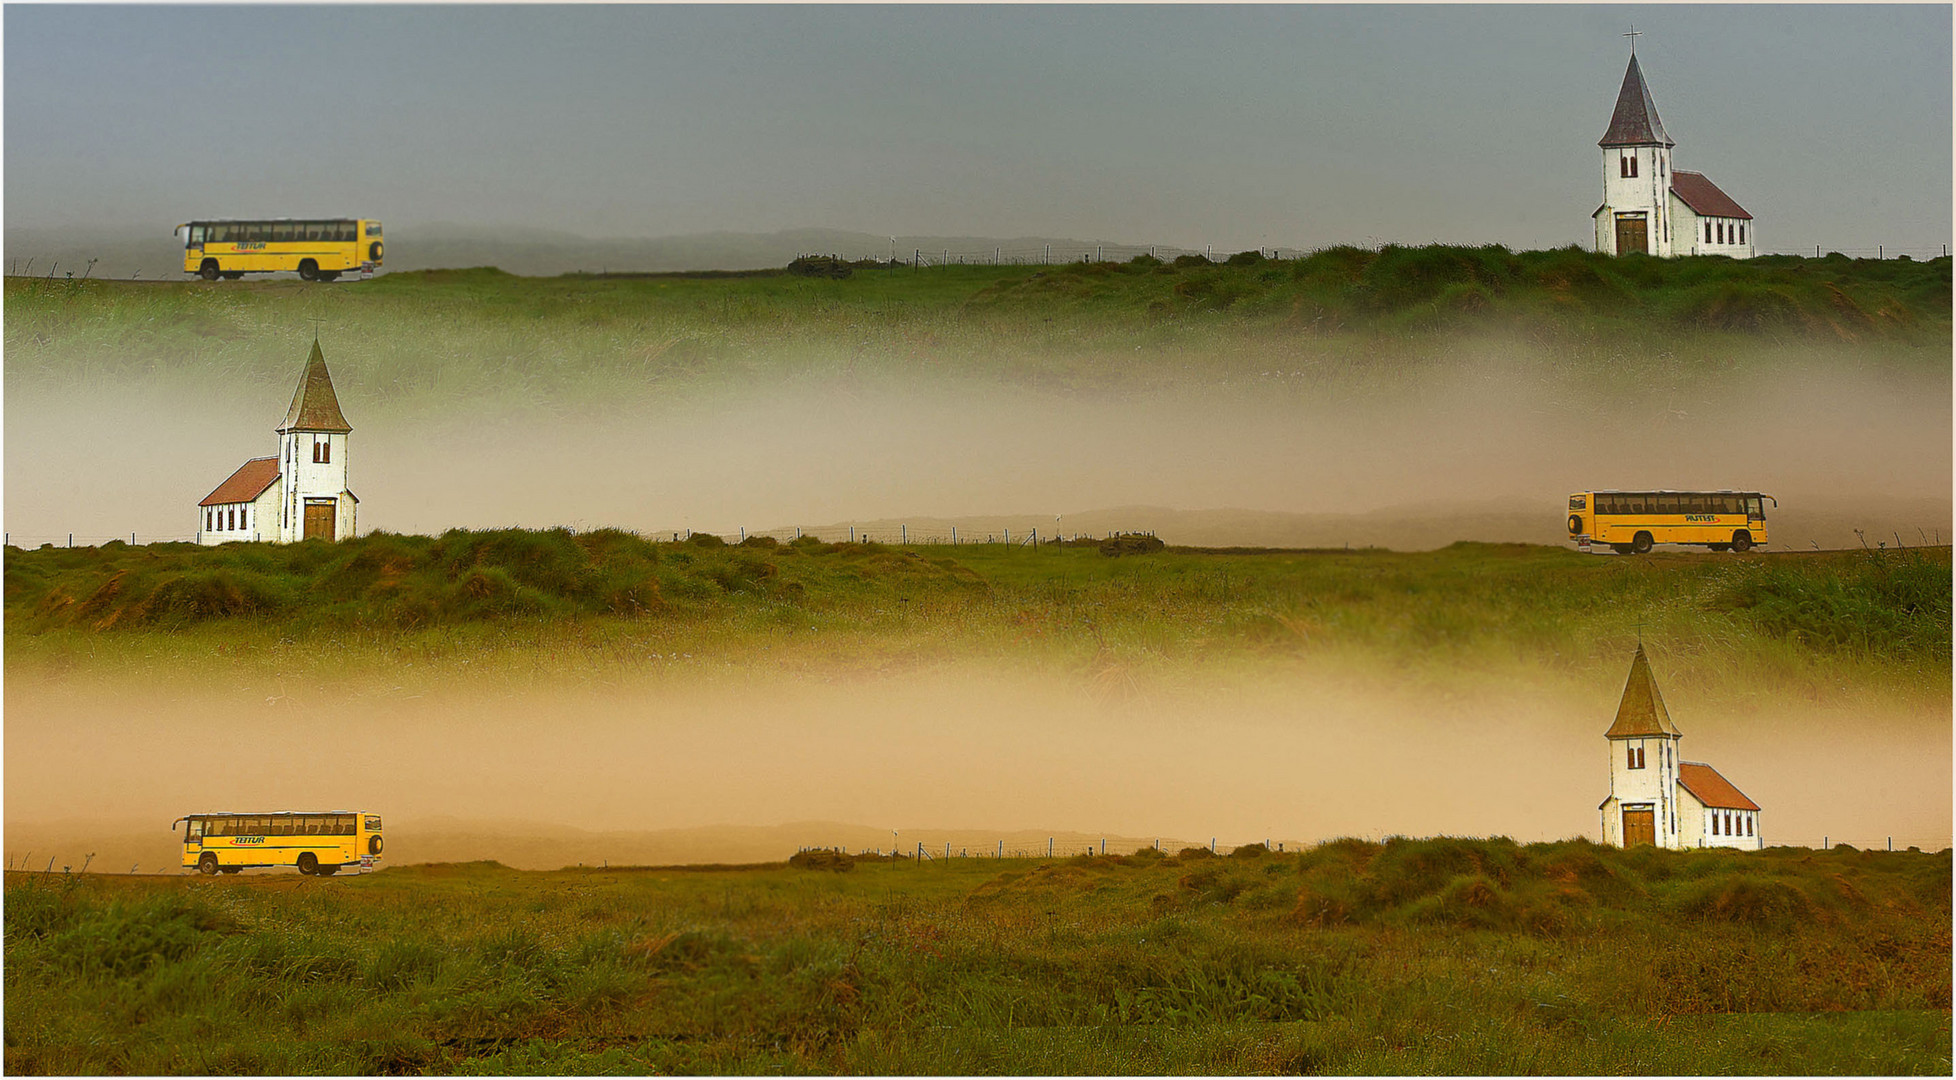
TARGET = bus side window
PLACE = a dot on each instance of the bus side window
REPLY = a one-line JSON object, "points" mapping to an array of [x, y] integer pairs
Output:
{"points": [[193, 830]]}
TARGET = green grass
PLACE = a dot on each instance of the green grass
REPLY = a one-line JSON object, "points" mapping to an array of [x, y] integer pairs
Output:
{"points": [[1389, 317], [602, 600], [1448, 956]]}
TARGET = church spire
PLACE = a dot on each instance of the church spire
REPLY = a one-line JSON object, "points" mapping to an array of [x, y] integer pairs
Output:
{"points": [[1641, 712], [1635, 121], [315, 407]]}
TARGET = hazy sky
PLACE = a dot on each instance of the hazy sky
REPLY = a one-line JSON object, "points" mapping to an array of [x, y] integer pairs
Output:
{"points": [[1232, 126]]}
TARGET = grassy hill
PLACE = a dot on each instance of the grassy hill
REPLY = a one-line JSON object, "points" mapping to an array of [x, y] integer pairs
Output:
{"points": [[1137, 325], [601, 595], [1428, 956]]}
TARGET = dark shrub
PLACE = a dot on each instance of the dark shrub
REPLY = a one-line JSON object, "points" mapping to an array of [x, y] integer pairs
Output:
{"points": [[1131, 544], [705, 540], [1245, 258], [820, 266], [1185, 262], [836, 861]]}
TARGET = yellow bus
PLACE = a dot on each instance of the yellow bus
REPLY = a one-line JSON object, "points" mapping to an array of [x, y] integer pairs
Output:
{"points": [[322, 843], [320, 249], [1632, 521]]}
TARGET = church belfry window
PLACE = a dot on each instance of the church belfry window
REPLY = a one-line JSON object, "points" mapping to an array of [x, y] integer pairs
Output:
{"points": [[1636, 757]]}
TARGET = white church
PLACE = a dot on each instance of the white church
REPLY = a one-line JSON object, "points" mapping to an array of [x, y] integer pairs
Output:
{"points": [[1650, 208], [1656, 798], [302, 493]]}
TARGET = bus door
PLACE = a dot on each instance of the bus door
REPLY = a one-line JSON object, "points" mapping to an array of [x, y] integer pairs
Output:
{"points": [[193, 833], [1755, 509]]}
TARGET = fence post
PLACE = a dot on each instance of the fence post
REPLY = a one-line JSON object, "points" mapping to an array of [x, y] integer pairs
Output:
{"points": [[1049, 847], [1001, 849], [1881, 252], [71, 539], [905, 530]]}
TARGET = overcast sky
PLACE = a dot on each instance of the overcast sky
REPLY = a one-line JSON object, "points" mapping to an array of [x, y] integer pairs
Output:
{"points": [[1231, 126]]}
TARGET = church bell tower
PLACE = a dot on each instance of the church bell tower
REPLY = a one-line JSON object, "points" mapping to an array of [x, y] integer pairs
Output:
{"points": [[319, 501], [1636, 210]]}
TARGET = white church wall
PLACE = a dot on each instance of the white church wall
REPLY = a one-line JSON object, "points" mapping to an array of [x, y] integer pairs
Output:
{"points": [[313, 479], [1645, 193]]}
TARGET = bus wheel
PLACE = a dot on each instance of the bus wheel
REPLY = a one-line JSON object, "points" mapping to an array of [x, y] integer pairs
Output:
{"points": [[208, 271], [1742, 541], [1640, 544], [207, 865], [308, 863], [308, 270]]}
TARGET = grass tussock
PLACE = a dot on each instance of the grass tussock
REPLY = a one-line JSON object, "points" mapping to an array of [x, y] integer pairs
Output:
{"points": [[604, 345], [1411, 956], [606, 597]]}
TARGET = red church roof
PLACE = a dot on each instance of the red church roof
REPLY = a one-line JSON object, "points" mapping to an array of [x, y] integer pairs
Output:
{"points": [[1703, 196], [1703, 781], [249, 482]]}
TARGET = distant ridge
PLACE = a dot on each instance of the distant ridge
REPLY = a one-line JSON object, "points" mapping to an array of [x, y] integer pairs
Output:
{"points": [[121, 252]]}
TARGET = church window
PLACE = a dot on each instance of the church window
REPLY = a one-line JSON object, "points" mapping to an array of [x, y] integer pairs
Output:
{"points": [[1708, 234], [1636, 757], [1741, 232]]}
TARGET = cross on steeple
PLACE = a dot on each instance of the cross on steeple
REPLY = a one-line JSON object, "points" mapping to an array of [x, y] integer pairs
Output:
{"points": [[1633, 35]]}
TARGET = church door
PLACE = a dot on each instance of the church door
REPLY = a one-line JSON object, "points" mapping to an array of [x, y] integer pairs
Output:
{"points": [[1632, 235], [1639, 827], [320, 517]]}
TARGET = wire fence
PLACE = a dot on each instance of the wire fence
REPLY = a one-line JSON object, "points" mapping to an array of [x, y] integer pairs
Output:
{"points": [[1879, 252], [1053, 848], [1051, 254], [832, 534]]}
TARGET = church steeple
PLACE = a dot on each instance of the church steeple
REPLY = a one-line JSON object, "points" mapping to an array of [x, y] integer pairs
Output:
{"points": [[315, 407], [1641, 712], [1635, 122]]}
